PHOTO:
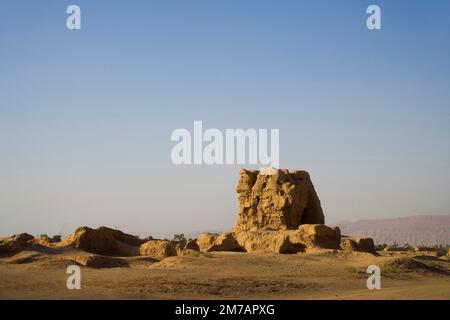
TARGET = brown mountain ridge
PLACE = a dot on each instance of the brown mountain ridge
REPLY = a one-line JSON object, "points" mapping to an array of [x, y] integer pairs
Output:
{"points": [[420, 230]]}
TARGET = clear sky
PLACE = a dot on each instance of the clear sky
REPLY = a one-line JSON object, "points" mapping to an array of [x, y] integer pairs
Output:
{"points": [[86, 115]]}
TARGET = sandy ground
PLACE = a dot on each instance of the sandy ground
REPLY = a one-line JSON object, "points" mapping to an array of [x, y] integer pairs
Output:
{"points": [[229, 275]]}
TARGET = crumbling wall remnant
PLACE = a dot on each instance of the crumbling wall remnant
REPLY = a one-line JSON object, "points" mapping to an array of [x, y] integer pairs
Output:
{"points": [[276, 200]]}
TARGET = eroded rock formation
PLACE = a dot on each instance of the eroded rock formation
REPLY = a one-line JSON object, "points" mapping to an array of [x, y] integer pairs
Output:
{"points": [[213, 242], [303, 239], [276, 200], [102, 240], [279, 211], [358, 244], [158, 248]]}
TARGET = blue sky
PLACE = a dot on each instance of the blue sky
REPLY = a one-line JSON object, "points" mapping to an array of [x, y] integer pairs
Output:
{"points": [[86, 116]]}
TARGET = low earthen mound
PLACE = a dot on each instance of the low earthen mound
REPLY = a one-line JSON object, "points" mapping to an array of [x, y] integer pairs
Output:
{"points": [[43, 240], [123, 237], [268, 241], [414, 264], [102, 240], [358, 244], [56, 238], [97, 261], [206, 240], [212, 242], [192, 245], [305, 238], [25, 242], [158, 248], [22, 237], [25, 257], [318, 236], [15, 243]]}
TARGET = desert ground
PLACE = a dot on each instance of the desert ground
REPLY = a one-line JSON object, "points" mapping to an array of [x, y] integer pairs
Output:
{"points": [[326, 274], [279, 248]]}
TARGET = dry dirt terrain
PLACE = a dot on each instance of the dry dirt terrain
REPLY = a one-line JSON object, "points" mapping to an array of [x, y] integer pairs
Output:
{"points": [[279, 248], [327, 274]]}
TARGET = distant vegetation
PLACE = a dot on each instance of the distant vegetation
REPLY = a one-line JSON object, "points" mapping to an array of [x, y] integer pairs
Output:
{"points": [[180, 238]]}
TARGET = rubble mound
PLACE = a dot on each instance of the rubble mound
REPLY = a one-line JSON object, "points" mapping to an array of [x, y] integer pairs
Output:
{"points": [[358, 244], [23, 237], [414, 264], [305, 238], [158, 248], [97, 261], [15, 243], [213, 242], [192, 245], [24, 241], [42, 240], [269, 241], [102, 240]]}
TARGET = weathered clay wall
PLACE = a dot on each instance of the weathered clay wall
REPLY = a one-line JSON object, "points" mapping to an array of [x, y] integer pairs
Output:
{"points": [[276, 200]]}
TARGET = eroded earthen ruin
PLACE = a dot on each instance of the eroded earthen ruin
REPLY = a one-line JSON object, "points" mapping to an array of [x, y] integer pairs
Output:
{"points": [[279, 211], [276, 200]]}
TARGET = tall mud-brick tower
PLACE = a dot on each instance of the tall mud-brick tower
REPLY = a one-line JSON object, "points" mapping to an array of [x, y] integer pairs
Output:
{"points": [[276, 199]]}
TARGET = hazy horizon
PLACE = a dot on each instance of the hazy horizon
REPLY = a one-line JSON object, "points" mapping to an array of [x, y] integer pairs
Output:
{"points": [[86, 115]]}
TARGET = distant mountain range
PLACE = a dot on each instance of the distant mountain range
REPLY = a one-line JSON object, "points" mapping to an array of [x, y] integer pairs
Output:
{"points": [[425, 230]]}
